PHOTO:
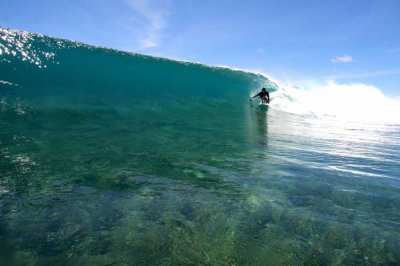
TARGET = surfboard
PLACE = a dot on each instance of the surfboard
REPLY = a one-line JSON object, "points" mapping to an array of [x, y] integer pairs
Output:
{"points": [[263, 107], [260, 104]]}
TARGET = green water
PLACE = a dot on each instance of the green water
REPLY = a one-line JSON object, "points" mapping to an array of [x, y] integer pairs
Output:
{"points": [[109, 158]]}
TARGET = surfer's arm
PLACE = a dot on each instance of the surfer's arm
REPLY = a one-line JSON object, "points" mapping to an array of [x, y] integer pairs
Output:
{"points": [[257, 95]]}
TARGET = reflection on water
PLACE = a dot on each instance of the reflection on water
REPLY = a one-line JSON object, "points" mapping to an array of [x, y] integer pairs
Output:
{"points": [[152, 186]]}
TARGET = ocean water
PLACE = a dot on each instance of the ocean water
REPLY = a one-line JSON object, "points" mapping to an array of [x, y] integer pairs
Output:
{"points": [[111, 158]]}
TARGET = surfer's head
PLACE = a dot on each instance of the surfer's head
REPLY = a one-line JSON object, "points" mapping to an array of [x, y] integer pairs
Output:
{"points": [[264, 89]]}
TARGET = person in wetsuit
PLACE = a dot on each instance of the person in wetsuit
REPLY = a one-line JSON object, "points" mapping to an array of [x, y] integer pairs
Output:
{"points": [[263, 95]]}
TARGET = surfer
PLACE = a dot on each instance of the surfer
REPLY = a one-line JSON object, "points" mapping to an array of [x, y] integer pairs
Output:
{"points": [[263, 95]]}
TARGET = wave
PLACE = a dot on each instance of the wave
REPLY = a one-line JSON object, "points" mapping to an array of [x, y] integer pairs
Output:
{"points": [[34, 66], [45, 67]]}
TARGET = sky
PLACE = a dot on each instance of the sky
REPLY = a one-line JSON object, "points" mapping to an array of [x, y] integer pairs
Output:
{"points": [[300, 42]]}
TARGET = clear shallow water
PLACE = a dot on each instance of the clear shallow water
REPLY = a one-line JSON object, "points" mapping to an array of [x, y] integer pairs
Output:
{"points": [[96, 171]]}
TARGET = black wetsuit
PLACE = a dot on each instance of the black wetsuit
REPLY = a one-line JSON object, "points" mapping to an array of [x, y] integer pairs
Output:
{"points": [[264, 96]]}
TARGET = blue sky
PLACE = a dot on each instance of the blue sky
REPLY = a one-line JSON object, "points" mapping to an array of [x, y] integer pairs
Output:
{"points": [[350, 41]]}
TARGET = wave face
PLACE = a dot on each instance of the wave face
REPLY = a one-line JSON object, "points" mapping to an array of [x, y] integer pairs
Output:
{"points": [[41, 66], [111, 158]]}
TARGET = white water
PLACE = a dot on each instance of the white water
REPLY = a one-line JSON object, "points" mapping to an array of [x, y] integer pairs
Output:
{"points": [[350, 102]]}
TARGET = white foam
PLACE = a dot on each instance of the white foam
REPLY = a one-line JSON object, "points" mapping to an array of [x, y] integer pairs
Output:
{"points": [[5, 82], [352, 102]]}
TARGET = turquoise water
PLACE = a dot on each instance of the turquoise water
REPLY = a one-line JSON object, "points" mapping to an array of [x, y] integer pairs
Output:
{"points": [[110, 158]]}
